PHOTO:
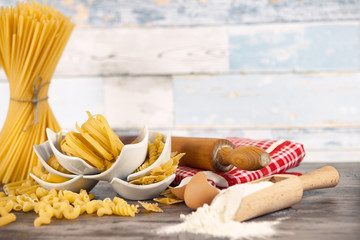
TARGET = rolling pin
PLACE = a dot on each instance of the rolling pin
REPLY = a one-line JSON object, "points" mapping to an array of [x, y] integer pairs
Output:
{"points": [[219, 155], [214, 154], [286, 191]]}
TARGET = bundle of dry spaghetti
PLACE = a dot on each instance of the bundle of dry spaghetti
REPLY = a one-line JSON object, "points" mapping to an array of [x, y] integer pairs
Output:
{"points": [[32, 39]]}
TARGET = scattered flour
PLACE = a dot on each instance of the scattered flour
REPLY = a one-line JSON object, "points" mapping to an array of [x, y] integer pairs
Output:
{"points": [[216, 219]]}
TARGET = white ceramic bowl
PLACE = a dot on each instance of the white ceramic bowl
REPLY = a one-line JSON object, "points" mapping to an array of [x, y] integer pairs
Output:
{"points": [[140, 192], [75, 182], [72, 164], [43, 151], [163, 158]]}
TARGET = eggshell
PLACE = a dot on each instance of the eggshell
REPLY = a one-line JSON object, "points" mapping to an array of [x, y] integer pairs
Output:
{"points": [[199, 191], [179, 190]]}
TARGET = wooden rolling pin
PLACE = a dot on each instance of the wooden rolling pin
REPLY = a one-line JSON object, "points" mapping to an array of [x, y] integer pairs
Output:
{"points": [[218, 155], [286, 191]]}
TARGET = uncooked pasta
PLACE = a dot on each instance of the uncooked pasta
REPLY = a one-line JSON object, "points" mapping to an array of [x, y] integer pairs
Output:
{"points": [[32, 40]]}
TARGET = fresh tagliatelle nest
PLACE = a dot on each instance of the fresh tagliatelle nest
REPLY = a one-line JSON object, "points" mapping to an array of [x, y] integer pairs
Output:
{"points": [[95, 142]]}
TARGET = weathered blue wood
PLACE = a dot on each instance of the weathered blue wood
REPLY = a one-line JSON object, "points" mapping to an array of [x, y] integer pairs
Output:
{"points": [[113, 13], [267, 101], [296, 47]]}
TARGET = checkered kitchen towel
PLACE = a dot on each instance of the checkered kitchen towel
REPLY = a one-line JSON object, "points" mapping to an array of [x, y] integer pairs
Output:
{"points": [[284, 155]]}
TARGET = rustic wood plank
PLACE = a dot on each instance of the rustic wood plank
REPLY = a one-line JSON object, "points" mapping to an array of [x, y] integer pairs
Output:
{"points": [[267, 101], [132, 102], [250, 49], [86, 13], [304, 47], [161, 51], [322, 214]]}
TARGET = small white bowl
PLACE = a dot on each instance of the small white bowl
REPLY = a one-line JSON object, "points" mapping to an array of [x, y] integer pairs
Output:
{"points": [[74, 184], [43, 151], [72, 164], [140, 192], [130, 158], [163, 158]]}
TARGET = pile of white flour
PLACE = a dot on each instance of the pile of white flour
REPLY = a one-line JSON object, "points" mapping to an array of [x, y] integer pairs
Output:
{"points": [[216, 219]]}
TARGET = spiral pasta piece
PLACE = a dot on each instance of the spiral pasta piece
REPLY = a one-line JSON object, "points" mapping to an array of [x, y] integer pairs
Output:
{"points": [[154, 151]]}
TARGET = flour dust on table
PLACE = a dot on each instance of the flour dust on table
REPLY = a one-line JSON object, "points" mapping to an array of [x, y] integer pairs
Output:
{"points": [[216, 219]]}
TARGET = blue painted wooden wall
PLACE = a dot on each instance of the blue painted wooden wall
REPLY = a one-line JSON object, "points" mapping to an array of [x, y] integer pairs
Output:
{"points": [[254, 68]]}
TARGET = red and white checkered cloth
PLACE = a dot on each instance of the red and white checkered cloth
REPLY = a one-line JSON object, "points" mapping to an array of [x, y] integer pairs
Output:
{"points": [[284, 155]]}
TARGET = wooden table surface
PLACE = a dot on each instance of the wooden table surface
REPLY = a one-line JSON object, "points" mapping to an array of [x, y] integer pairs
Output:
{"points": [[322, 214]]}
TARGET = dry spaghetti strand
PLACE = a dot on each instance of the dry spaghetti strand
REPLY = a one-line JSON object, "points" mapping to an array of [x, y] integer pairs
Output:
{"points": [[32, 40]]}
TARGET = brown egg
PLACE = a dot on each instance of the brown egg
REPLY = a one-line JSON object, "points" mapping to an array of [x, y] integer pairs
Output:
{"points": [[199, 191]]}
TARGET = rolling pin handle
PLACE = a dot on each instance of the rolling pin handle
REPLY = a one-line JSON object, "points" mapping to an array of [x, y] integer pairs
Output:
{"points": [[248, 158]]}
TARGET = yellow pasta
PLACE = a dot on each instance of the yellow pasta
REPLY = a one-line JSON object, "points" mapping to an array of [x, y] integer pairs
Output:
{"points": [[118, 201], [70, 196], [104, 211], [41, 192], [41, 220], [71, 212], [107, 202], [85, 196], [154, 150], [160, 148], [55, 178], [33, 197], [95, 143], [159, 173], [8, 205], [19, 184], [152, 153], [93, 206], [3, 211], [21, 199], [125, 210], [60, 204], [54, 163], [28, 206], [28, 190], [151, 207], [32, 40], [168, 200], [37, 171], [166, 192], [8, 218], [46, 211]]}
